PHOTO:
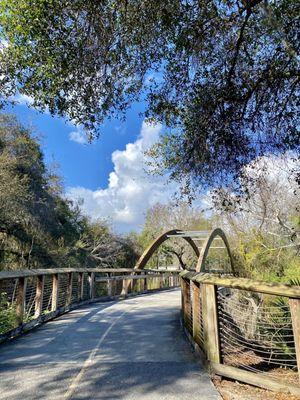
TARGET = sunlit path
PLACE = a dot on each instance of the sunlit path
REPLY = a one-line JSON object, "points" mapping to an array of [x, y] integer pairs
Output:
{"points": [[132, 349]]}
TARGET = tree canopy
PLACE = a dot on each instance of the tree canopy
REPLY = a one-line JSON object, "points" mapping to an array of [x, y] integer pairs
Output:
{"points": [[221, 75]]}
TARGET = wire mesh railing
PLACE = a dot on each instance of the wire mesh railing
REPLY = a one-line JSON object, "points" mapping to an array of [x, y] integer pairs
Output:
{"points": [[30, 297], [247, 330]]}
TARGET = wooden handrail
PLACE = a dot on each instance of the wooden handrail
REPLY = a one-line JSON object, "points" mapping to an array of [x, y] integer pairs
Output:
{"points": [[127, 277], [274, 288], [51, 271]]}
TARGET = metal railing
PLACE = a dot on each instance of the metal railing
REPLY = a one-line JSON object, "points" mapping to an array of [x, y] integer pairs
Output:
{"points": [[245, 329], [31, 297]]}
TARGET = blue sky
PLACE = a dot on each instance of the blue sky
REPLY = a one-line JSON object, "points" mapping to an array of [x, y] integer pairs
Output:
{"points": [[85, 164], [108, 174]]}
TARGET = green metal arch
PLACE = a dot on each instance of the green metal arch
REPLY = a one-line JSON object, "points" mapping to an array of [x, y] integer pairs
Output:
{"points": [[145, 257], [206, 246]]}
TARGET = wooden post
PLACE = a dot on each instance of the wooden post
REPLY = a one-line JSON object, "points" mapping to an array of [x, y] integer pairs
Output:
{"points": [[109, 288], [69, 288], [91, 280], [141, 285], [20, 300], [161, 282], [295, 314], [124, 287], [196, 311], [40, 279], [183, 299], [204, 317], [55, 284], [171, 280], [80, 286], [145, 286], [210, 322], [113, 287], [129, 285]]}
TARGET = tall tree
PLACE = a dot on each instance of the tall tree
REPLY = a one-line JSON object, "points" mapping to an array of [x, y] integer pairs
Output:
{"points": [[37, 225], [106, 249], [224, 73]]}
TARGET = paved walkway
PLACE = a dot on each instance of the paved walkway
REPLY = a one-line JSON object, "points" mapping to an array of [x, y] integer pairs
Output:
{"points": [[131, 350]]}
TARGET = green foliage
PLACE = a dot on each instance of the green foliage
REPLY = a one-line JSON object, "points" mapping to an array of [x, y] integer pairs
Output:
{"points": [[7, 314], [279, 330], [224, 74], [254, 260]]}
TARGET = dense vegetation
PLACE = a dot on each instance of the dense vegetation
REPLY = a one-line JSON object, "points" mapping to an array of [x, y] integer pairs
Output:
{"points": [[223, 75], [38, 226]]}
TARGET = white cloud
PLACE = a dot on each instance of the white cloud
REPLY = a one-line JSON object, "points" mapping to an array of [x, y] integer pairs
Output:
{"points": [[22, 99], [131, 191], [3, 45], [78, 137]]}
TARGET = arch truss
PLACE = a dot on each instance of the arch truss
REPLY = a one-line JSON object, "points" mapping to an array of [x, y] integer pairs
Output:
{"points": [[200, 241]]}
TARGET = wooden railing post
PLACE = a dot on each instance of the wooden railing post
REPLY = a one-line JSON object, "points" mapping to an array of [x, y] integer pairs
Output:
{"points": [[183, 299], [124, 287], [141, 285], [55, 283], [210, 322], [109, 287], [80, 286], [171, 280], [295, 314], [161, 281], [113, 287], [69, 288], [196, 310], [129, 285], [39, 295], [20, 299], [91, 280]]}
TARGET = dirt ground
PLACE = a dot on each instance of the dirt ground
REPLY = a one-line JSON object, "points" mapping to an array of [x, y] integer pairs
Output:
{"points": [[231, 390]]}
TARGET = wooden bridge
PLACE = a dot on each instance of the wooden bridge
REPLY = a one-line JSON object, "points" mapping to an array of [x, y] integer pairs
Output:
{"points": [[95, 346]]}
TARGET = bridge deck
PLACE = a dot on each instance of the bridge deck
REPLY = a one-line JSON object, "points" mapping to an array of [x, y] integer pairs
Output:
{"points": [[133, 349]]}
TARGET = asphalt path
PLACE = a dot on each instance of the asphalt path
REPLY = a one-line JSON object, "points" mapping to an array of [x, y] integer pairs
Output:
{"points": [[131, 350]]}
